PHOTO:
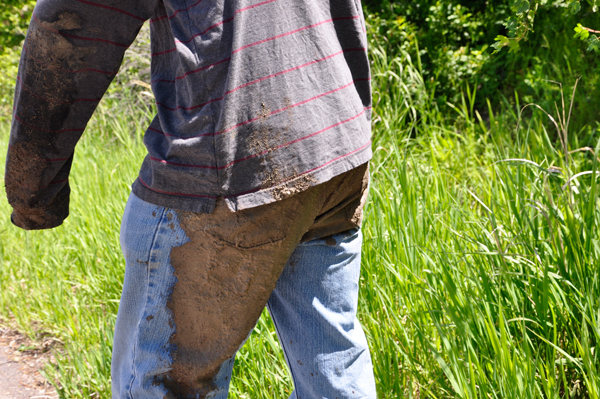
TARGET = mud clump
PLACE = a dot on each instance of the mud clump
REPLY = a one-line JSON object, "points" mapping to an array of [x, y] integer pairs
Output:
{"points": [[264, 111], [53, 49], [50, 56], [293, 187], [24, 175]]}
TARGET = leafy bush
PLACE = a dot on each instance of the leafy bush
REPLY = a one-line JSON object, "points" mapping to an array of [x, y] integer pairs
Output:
{"points": [[9, 62], [524, 12], [15, 16], [452, 39]]}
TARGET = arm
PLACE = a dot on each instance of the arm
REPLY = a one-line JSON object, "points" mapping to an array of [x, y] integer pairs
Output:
{"points": [[71, 54]]}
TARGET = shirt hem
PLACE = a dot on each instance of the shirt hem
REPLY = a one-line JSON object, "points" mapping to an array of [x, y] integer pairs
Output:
{"points": [[258, 197], [299, 183], [186, 204]]}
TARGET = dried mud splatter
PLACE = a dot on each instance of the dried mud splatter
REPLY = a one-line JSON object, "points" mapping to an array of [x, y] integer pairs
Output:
{"points": [[283, 181], [28, 173]]}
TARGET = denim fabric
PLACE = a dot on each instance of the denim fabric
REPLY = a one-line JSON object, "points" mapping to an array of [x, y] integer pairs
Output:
{"points": [[313, 306], [140, 350], [314, 310]]}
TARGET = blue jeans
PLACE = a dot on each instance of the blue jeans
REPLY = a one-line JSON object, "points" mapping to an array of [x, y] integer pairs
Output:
{"points": [[195, 285]]}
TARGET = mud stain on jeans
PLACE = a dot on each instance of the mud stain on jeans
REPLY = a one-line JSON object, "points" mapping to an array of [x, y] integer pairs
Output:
{"points": [[225, 275]]}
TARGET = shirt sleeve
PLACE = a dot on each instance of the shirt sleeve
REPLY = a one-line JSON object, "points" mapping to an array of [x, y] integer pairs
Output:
{"points": [[72, 53]]}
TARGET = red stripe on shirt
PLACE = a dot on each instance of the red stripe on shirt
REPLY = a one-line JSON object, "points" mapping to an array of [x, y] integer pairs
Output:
{"points": [[218, 23], [257, 81], [55, 159], [181, 164], [90, 39], [175, 13], [224, 21], [46, 130], [45, 159], [335, 159], [262, 152], [158, 131], [111, 8], [206, 30], [66, 70], [290, 33], [58, 182], [170, 193], [164, 52], [191, 72], [52, 100], [52, 183], [255, 5]]}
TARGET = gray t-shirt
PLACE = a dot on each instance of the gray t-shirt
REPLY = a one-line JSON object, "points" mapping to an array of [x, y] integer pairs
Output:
{"points": [[256, 100]]}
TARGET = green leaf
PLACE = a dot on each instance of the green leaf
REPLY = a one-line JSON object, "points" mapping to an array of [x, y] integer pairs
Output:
{"points": [[503, 41], [521, 6], [513, 46], [581, 32], [593, 43], [575, 6], [512, 25]]}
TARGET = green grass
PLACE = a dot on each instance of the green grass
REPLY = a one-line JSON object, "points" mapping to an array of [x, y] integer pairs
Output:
{"points": [[69, 278], [480, 275]]}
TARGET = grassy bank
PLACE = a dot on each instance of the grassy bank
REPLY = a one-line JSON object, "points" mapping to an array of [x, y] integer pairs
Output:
{"points": [[480, 270], [481, 267]]}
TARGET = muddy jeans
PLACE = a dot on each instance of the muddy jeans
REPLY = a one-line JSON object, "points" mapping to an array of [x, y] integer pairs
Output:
{"points": [[196, 284]]}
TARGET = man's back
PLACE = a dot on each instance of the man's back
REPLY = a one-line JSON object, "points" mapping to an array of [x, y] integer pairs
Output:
{"points": [[256, 100]]}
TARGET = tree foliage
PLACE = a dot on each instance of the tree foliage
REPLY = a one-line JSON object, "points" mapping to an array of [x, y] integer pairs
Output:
{"points": [[521, 22], [451, 38], [14, 20], [15, 16], [452, 42]]}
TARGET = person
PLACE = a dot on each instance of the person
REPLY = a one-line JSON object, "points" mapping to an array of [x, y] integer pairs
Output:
{"points": [[251, 194]]}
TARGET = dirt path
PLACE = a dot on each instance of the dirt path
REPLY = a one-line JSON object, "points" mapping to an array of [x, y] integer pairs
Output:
{"points": [[20, 362]]}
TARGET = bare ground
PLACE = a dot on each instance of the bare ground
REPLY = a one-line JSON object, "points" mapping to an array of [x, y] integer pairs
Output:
{"points": [[21, 359]]}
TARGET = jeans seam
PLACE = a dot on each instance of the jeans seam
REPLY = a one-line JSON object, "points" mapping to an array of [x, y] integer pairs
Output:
{"points": [[283, 345], [133, 374]]}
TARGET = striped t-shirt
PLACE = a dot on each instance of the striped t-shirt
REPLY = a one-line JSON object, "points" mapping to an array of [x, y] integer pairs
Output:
{"points": [[256, 100]]}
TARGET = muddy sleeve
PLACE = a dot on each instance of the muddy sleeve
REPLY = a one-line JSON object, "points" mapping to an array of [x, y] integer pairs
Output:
{"points": [[71, 54]]}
